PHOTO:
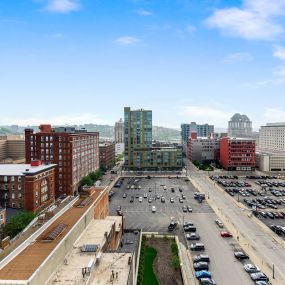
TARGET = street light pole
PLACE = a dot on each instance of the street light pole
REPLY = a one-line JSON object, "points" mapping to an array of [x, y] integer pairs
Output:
{"points": [[273, 276]]}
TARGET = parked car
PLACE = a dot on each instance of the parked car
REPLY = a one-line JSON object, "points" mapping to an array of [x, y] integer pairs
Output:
{"points": [[219, 223], [207, 281], [150, 200], [191, 229], [132, 199], [162, 199], [140, 199], [241, 255], [250, 268], [201, 257], [262, 282], [145, 195], [171, 200], [184, 209], [197, 247], [203, 274], [198, 266], [125, 195], [180, 200], [258, 276], [153, 209], [189, 209], [172, 226], [192, 236], [226, 234]]}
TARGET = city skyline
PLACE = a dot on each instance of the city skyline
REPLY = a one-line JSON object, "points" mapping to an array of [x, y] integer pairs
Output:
{"points": [[65, 61]]}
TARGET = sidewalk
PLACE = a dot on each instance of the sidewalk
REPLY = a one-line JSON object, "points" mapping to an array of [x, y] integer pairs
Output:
{"points": [[187, 266]]}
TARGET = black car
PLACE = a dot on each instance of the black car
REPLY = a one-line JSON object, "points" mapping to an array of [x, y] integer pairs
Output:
{"points": [[172, 226], [191, 229], [132, 199], [241, 255], [201, 266]]}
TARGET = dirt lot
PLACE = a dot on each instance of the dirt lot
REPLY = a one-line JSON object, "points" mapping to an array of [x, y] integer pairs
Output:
{"points": [[165, 273]]}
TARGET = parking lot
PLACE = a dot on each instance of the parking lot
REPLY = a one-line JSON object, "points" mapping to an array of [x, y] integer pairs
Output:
{"points": [[264, 195], [138, 215]]}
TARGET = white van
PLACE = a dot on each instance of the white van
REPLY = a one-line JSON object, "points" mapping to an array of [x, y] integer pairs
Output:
{"points": [[153, 209]]}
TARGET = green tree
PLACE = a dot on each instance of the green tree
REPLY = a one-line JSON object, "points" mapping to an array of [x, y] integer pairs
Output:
{"points": [[175, 262], [85, 181], [18, 223]]}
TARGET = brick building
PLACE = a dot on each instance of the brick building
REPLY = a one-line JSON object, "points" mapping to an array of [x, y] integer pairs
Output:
{"points": [[76, 154], [237, 154], [107, 153], [27, 186]]}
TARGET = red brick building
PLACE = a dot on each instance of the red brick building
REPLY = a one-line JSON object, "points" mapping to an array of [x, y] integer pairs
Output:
{"points": [[107, 153], [237, 154], [76, 154], [27, 186]]}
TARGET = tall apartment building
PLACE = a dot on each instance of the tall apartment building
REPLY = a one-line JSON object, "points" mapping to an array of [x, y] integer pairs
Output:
{"points": [[76, 154], [204, 130], [12, 149], [203, 149], [139, 153], [240, 126], [271, 148], [27, 186], [237, 154], [119, 137]]}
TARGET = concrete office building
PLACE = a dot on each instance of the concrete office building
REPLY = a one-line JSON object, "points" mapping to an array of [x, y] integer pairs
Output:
{"points": [[271, 147], [27, 186], [204, 130], [237, 154], [203, 149], [76, 154], [12, 149], [139, 153], [240, 126]]}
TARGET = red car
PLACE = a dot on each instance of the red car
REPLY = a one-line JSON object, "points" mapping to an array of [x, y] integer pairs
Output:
{"points": [[226, 234]]}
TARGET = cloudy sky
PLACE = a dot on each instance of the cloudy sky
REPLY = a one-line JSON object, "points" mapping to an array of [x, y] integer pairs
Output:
{"points": [[82, 61]]}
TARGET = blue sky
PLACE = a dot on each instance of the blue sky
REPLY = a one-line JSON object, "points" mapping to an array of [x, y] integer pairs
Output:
{"points": [[77, 61]]}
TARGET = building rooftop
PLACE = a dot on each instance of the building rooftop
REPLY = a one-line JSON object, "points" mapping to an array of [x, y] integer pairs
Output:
{"points": [[23, 169], [274, 125], [29, 260], [240, 118], [70, 272]]}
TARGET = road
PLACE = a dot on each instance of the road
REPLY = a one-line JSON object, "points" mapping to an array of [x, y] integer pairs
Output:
{"points": [[259, 244], [225, 269]]}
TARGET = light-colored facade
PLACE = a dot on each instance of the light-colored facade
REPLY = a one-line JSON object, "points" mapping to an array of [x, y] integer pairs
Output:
{"points": [[272, 137], [119, 148], [119, 131], [240, 126], [268, 161], [203, 149], [12, 149], [204, 130]]}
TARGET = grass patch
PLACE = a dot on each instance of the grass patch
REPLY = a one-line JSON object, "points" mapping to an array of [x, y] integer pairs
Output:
{"points": [[149, 275]]}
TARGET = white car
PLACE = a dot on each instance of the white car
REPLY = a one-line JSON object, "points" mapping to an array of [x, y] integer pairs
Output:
{"points": [[153, 209], [140, 199], [164, 187], [250, 268]]}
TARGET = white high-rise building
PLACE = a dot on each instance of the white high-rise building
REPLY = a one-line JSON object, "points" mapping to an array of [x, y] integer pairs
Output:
{"points": [[271, 149], [272, 137], [240, 126], [119, 137]]}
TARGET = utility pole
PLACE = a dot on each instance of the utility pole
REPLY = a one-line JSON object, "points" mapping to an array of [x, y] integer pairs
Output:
{"points": [[273, 276]]}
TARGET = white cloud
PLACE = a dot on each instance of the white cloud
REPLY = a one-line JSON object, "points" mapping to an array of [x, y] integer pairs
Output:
{"points": [[205, 114], [71, 119], [279, 52], [63, 6], [127, 41], [239, 57], [256, 20], [144, 13]]}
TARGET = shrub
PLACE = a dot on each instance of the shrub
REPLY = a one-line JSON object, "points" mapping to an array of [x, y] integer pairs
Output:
{"points": [[175, 262]]}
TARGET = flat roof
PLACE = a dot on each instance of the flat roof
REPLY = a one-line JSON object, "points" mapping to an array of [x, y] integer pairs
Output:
{"points": [[71, 270], [23, 169], [28, 261]]}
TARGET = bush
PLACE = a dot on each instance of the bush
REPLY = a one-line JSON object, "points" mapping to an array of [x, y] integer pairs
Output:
{"points": [[174, 248], [175, 262]]}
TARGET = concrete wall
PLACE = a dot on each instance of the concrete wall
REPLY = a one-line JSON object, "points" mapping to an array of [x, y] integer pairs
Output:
{"points": [[57, 256]]}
